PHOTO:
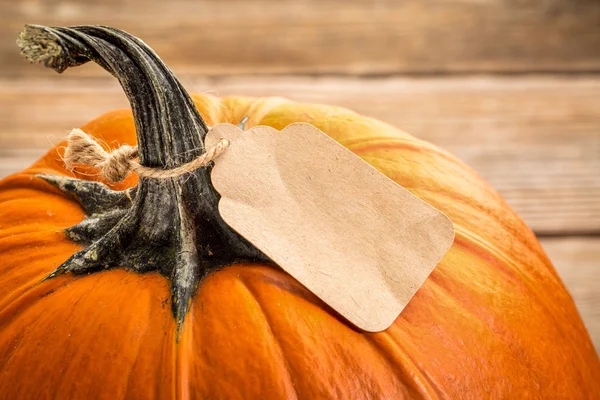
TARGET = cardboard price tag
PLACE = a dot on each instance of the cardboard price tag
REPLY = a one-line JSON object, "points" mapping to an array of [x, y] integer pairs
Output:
{"points": [[352, 236]]}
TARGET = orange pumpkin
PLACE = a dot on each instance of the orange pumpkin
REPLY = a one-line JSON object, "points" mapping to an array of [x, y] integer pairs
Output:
{"points": [[492, 321]]}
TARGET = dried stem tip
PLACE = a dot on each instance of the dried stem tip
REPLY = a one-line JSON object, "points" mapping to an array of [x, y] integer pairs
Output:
{"points": [[39, 45]]}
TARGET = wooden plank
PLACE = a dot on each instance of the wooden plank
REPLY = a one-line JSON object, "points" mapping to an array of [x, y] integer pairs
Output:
{"points": [[536, 139], [216, 37], [577, 260]]}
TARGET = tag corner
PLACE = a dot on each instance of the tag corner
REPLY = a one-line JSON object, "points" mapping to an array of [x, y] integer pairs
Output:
{"points": [[380, 326]]}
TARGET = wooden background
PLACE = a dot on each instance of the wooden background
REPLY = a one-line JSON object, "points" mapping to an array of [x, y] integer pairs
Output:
{"points": [[510, 86]]}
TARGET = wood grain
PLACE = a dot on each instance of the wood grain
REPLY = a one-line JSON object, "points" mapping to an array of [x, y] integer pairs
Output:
{"points": [[225, 37], [536, 139], [577, 261]]}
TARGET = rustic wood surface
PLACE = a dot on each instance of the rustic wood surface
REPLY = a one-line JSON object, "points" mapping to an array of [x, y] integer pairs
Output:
{"points": [[512, 87], [217, 37]]}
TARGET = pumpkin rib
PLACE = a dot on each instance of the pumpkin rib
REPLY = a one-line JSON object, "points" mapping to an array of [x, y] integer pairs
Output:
{"points": [[485, 251], [33, 281], [91, 321], [409, 383], [298, 291], [26, 298], [467, 242], [469, 314], [507, 339], [494, 328], [132, 379], [401, 144], [414, 375], [436, 385], [284, 360], [8, 356], [24, 309], [337, 321], [515, 279]]}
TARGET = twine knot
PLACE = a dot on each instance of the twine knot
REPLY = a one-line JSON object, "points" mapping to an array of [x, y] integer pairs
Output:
{"points": [[117, 164]]}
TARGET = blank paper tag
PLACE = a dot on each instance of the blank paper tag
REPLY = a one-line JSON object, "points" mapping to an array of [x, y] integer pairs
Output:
{"points": [[352, 236]]}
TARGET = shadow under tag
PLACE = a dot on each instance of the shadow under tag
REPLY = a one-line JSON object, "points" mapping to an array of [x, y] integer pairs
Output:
{"points": [[355, 238]]}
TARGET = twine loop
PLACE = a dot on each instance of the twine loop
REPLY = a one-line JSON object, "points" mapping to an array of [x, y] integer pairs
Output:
{"points": [[117, 164]]}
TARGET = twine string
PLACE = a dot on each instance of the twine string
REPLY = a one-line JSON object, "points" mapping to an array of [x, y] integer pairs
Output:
{"points": [[116, 165]]}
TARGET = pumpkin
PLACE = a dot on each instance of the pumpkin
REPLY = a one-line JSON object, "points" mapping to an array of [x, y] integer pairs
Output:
{"points": [[100, 300]]}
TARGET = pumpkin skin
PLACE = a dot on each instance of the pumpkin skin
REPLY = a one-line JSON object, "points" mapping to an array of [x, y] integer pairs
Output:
{"points": [[493, 320]]}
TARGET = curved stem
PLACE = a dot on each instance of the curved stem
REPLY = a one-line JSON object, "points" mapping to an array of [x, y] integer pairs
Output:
{"points": [[169, 127], [171, 225]]}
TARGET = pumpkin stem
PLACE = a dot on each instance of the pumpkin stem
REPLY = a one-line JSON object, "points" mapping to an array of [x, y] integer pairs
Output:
{"points": [[172, 225]]}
